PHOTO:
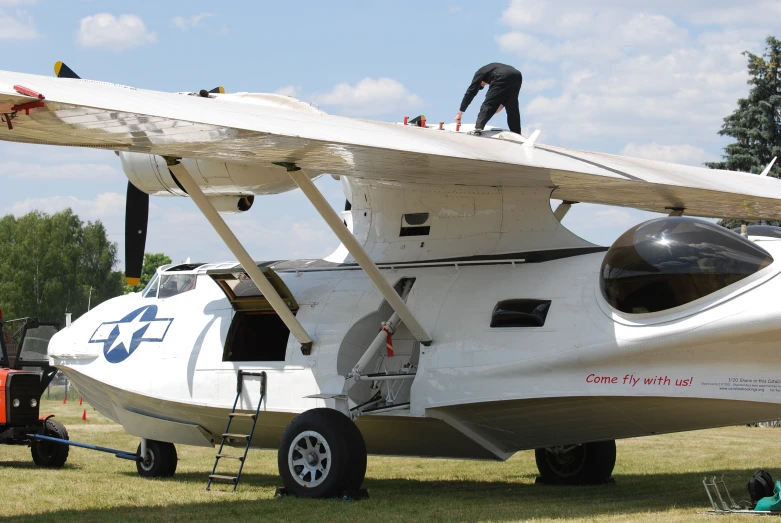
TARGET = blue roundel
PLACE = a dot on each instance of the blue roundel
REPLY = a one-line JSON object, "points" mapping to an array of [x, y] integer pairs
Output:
{"points": [[122, 337]]}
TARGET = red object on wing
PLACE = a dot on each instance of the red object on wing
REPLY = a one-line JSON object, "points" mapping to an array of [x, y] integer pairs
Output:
{"points": [[26, 107], [28, 92]]}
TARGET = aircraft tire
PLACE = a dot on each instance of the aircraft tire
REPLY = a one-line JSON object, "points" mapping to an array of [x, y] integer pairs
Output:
{"points": [[48, 454], [161, 460], [334, 457], [587, 464]]}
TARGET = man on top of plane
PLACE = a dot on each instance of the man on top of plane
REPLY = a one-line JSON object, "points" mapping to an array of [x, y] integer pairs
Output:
{"points": [[505, 82]]}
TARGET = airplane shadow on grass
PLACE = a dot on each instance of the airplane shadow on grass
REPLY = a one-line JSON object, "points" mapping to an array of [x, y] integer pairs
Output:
{"points": [[434, 500]]}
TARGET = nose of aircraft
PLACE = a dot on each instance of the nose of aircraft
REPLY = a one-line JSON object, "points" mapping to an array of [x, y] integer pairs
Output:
{"points": [[72, 343], [82, 342]]}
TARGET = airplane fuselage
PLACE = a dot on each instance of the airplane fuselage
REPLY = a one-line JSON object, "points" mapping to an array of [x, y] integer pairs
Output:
{"points": [[162, 366]]}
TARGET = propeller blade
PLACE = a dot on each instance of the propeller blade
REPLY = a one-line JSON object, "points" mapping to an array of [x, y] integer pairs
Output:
{"points": [[218, 90], [63, 71], [136, 218]]}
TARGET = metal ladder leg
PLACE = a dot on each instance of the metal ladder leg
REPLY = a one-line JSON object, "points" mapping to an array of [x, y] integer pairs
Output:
{"points": [[254, 423]]}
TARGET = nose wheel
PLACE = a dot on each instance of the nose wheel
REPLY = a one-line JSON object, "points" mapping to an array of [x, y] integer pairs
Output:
{"points": [[159, 459]]}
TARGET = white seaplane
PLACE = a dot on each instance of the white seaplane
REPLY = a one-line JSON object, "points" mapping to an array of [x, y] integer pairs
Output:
{"points": [[499, 329]]}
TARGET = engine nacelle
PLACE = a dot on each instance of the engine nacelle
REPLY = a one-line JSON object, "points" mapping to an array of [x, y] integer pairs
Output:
{"points": [[150, 174]]}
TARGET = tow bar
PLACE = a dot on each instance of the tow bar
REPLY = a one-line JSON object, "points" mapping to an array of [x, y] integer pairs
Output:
{"points": [[118, 453]]}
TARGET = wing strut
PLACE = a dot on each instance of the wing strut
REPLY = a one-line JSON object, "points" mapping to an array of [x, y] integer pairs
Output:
{"points": [[357, 252], [255, 274]]}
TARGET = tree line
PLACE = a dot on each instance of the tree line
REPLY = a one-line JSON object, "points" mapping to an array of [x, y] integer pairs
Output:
{"points": [[51, 264], [756, 123]]}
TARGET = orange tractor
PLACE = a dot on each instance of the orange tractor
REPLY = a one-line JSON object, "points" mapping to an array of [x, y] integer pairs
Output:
{"points": [[22, 382]]}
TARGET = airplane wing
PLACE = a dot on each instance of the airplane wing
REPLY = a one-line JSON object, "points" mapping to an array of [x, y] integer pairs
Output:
{"points": [[88, 113]]}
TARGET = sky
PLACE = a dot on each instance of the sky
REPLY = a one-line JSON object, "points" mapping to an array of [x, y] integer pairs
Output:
{"points": [[651, 79]]}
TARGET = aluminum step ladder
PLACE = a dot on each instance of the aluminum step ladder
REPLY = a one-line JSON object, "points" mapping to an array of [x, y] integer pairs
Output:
{"points": [[228, 435]]}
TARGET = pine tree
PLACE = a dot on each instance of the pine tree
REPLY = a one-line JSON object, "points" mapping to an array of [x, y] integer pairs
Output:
{"points": [[756, 123]]}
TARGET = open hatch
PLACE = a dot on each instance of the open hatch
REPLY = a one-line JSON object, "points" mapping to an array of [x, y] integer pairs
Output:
{"points": [[257, 333]]}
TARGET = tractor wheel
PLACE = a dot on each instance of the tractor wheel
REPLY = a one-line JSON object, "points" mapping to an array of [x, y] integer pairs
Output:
{"points": [[49, 454], [160, 460], [322, 454]]}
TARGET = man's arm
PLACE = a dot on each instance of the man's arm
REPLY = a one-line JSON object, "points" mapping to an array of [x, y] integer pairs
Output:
{"points": [[474, 87]]}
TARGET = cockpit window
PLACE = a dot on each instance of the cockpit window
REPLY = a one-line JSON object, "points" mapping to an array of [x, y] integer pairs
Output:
{"points": [[173, 284], [150, 291], [667, 262]]}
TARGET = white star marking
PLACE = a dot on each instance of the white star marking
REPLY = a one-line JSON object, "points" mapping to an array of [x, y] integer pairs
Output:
{"points": [[126, 331]]}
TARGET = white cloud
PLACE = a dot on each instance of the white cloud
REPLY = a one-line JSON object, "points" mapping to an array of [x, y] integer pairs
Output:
{"points": [[18, 26], [685, 154], [745, 13], [630, 71], [106, 31], [370, 96], [289, 90], [104, 207], [188, 23], [43, 162]]}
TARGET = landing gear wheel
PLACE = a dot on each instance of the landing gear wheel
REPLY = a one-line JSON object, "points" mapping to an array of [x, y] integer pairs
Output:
{"points": [[160, 460], [587, 464], [321, 455], [47, 453]]}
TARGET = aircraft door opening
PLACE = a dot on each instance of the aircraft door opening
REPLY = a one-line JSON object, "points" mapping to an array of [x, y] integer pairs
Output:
{"points": [[257, 333]]}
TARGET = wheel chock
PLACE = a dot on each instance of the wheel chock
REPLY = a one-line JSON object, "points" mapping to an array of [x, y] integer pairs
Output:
{"points": [[348, 495]]}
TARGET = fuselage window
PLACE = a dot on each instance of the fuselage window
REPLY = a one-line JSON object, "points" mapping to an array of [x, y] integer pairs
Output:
{"points": [[173, 284], [667, 262], [520, 313], [256, 336]]}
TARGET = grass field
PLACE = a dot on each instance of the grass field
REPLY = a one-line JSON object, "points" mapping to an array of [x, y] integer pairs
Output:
{"points": [[657, 479]]}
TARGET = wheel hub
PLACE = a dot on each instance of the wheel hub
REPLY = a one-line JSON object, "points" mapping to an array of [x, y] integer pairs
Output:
{"points": [[309, 459], [148, 460], [566, 461]]}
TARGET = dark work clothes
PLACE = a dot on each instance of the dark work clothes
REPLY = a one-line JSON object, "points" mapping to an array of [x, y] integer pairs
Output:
{"points": [[505, 86]]}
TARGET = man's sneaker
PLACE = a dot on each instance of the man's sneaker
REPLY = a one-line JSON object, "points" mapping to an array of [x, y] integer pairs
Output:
{"points": [[476, 132]]}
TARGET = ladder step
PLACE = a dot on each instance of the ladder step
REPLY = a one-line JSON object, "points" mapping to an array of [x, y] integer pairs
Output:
{"points": [[235, 436], [223, 478], [241, 415], [240, 458]]}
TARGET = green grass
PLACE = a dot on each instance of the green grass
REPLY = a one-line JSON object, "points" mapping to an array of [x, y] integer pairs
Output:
{"points": [[657, 479]]}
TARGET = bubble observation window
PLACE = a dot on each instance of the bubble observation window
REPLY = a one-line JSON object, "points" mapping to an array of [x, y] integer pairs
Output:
{"points": [[667, 262]]}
